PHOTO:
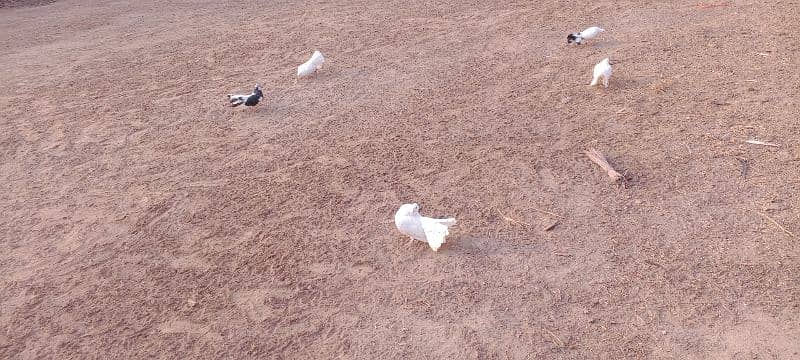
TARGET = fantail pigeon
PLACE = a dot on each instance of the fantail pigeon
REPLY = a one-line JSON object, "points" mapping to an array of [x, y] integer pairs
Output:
{"points": [[429, 230], [311, 66], [601, 70]]}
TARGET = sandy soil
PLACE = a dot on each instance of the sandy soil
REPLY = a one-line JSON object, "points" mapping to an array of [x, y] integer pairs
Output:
{"points": [[142, 217]]}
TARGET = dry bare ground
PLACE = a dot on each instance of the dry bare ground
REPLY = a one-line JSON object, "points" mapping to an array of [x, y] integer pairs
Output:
{"points": [[142, 217]]}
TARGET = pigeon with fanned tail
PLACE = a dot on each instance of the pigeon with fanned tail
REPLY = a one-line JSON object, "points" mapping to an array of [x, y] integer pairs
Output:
{"points": [[247, 100], [425, 229], [311, 66], [601, 70]]}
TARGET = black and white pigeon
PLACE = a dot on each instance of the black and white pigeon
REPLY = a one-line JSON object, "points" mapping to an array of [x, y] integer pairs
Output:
{"points": [[589, 33], [247, 100]]}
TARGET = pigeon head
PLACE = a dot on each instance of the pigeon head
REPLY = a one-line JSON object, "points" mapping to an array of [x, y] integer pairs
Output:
{"points": [[257, 91], [409, 210], [574, 37]]}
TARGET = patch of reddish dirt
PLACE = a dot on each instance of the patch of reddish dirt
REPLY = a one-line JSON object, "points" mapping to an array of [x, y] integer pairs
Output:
{"points": [[24, 3], [142, 217]]}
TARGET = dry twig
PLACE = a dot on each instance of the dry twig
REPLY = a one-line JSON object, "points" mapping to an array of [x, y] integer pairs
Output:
{"points": [[509, 219], [776, 224], [551, 226], [556, 340], [758, 142], [599, 159]]}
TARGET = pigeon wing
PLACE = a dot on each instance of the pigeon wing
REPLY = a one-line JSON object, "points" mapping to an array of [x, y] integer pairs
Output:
{"points": [[410, 226], [436, 230]]}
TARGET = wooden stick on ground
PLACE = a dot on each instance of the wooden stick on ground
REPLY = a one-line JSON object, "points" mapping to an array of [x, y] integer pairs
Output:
{"points": [[599, 159], [776, 224], [758, 142], [510, 219], [556, 340]]}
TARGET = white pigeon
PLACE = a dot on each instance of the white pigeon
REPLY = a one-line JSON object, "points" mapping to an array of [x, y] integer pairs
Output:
{"points": [[411, 223], [602, 69], [311, 66], [589, 33]]}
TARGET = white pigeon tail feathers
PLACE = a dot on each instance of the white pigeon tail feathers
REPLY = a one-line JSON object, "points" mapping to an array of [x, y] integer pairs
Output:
{"points": [[436, 230], [601, 70], [312, 65]]}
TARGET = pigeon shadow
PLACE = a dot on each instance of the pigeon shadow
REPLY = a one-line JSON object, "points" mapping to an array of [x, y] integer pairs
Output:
{"points": [[606, 45], [275, 108], [625, 84], [311, 80], [472, 245]]}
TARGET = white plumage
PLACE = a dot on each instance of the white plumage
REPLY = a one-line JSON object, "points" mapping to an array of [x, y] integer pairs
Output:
{"points": [[589, 33], [601, 70], [429, 230], [312, 65]]}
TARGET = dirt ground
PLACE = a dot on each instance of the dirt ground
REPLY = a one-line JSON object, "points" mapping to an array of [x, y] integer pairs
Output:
{"points": [[142, 217]]}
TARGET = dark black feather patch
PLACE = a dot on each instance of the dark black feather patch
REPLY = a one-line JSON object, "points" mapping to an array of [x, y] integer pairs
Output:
{"points": [[573, 38]]}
